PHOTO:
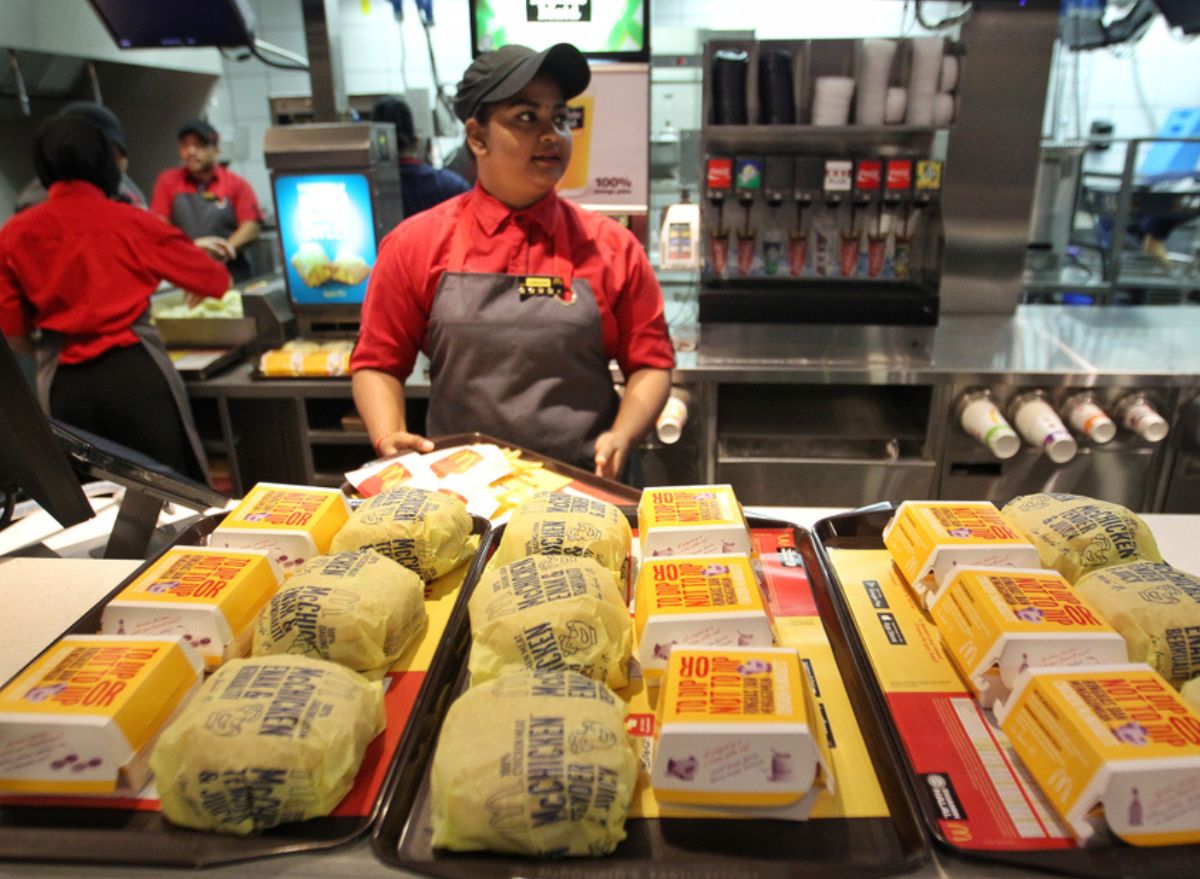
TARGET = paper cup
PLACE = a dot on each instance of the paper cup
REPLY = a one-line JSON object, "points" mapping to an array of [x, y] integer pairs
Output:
{"points": [[671, 420], [1144, 420], [1041, 427], [831, 100], [1087, 418], [896, 105], [982, 419], [949, 78]]}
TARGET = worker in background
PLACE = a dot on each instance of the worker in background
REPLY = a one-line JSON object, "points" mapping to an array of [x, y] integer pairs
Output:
{"points": [[127, 190], [519, 298], [421, 185], [76, 276], [213, 206]]}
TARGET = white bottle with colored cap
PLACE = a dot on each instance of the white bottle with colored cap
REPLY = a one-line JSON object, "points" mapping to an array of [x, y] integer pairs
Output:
{"points": [[1041, 427]]}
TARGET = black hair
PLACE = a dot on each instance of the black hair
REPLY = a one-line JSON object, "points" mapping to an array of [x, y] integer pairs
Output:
{"points": [[396, 111], [75, 148]]}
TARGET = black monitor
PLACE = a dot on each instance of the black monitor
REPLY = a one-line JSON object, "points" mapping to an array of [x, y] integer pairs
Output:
{"points": [[605, 30], [41, 457], [139, 24], [1183, 14], [31, 459]]}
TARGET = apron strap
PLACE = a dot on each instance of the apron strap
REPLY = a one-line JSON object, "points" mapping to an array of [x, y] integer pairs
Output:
{"points": [[560, 248]]}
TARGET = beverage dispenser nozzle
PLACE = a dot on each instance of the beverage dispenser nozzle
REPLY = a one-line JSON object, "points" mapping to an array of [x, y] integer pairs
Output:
{"points": [[1041, 427], [1137, 413], [980, 417], [718, 183]]}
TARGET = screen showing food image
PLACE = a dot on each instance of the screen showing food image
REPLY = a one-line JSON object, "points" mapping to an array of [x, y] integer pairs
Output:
{"points": [[612, 28], [328, 237]]}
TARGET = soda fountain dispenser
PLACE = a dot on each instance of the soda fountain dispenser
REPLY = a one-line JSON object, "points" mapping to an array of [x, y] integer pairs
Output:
{"points": [[748, 184], [777, 185], [867, 174], [718, 183], [829, 226], [808, 183]]}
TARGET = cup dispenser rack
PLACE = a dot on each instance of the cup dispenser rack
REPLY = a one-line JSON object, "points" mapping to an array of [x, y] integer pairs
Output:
{"points": [[822, 179]]}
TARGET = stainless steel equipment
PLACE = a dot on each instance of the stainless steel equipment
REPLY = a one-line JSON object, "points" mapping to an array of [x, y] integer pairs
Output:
{"points": [[1054, 197]]}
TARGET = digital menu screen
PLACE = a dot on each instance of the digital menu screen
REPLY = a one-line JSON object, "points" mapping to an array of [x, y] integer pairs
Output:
{"points": [[615, 29], [327, 230]]}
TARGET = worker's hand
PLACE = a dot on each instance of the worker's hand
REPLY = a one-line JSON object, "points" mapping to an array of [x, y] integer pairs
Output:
{"points": [[216, 247], [192, 299], [611, 449], [401, 440]]}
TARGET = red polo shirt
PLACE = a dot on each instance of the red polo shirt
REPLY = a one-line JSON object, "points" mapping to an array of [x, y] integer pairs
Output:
{"points": [[414, 255], [85, 266], [224, 184]]}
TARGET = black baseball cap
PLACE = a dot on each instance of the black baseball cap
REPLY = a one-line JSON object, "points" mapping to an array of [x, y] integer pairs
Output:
{"points": [[105, 118], [201, 129], [499, 75]]}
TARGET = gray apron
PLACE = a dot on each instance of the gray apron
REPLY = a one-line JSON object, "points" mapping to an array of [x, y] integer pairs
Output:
{"points": [[520, 358], [200, 215], [50, 344]]}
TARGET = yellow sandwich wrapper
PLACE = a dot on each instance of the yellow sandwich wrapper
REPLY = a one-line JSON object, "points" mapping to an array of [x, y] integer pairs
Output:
{"points": [[1075, 535], [712, 601], [557, 523], [738, 727], [209, 597], [293, 523], [1117, 736], [1157, 610], [266, 741], [533, 764], [358, 609], [550, 613], [691, 520], [426, 531], [80, 718], [1006, 620], [928, 539]]}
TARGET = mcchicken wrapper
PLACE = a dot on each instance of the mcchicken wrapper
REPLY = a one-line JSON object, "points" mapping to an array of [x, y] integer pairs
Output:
{"points": [[1076, 535], [533, 764], [358, 609], [428, 532], [928, 539], [549, 613], [1116, 736], [266, 741], [556, 523], [1156, 608], [292, 522]]}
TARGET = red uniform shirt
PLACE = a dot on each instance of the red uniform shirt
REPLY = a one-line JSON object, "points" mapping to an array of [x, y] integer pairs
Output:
{"points": [[413, 257], [224, 184], [84, 265]]}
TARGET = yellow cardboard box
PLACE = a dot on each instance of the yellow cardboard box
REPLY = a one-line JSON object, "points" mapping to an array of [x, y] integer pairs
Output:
{"points": [[691, 520], [80, 719], [209, 597], [1117, 736], [1010, 619], [293, 523], [712, 600], [928, 539], [738, 727]]}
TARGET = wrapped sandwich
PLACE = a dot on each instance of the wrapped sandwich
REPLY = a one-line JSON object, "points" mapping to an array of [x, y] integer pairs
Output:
{"points": [[427, 532], [359, 609], [266, 741], [549, 613], [533, 764], [1075, 535], [556, 523]]}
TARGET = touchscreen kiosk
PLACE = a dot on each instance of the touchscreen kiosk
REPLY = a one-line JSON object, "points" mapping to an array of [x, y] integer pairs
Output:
{"points": [[337, 193]]}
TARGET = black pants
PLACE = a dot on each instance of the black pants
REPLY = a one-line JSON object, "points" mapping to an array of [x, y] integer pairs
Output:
{"points": [[123, 396]]}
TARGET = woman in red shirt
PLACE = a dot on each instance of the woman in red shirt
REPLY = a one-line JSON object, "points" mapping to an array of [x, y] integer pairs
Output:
{"points": [[76, 275], [519, 298]]}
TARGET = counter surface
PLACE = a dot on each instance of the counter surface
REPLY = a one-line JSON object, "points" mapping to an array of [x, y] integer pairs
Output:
{"points": [[44, 596]]}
